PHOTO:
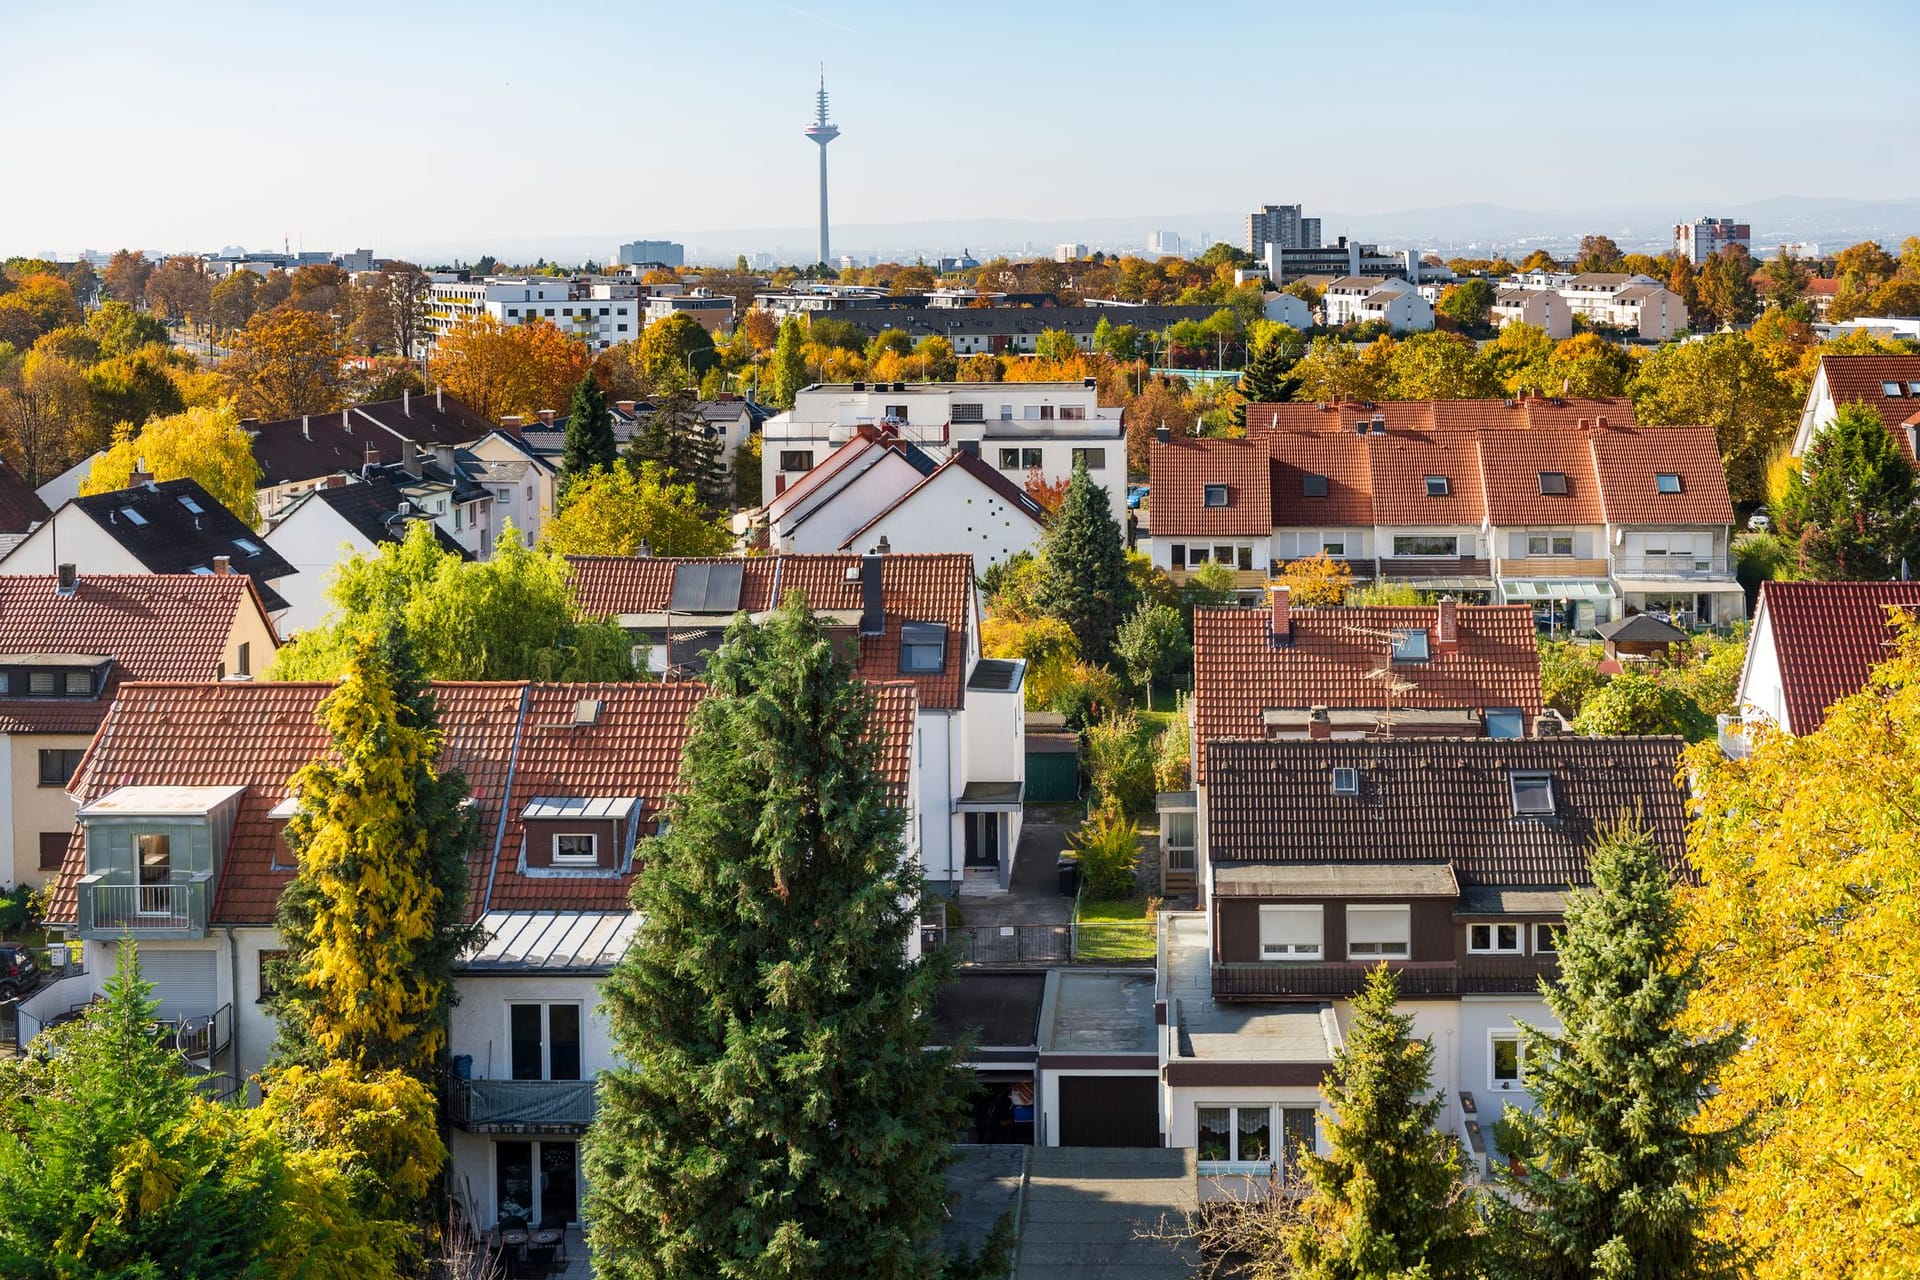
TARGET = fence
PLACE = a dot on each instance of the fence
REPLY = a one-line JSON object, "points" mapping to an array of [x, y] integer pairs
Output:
{"points": [[1102, 942], [9, 1024]]}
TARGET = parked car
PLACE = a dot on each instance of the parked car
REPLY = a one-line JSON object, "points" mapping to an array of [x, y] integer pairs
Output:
{"points": [[1136, 495], [19, 971], [1759, 522]]}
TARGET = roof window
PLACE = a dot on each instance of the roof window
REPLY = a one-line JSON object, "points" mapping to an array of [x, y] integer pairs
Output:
{"points": [[133, 517], [1437, 487], [1532, 794], [1666, 482], [1346, 782], [1506, 722], [1313, 486], [1409, 645], [1214, 495], [186, 500], [1892, 390], [1553, 482]]}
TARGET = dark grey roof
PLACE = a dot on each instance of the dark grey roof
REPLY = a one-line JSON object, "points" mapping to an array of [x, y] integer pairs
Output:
{"points": [[996, 675], [372, 506], [1641, 628], [1513, 902], [154, 524], [997, 1009], [294, 450]]}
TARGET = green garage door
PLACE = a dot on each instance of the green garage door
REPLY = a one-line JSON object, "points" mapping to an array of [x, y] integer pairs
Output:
{"points": [[1053, 777]]}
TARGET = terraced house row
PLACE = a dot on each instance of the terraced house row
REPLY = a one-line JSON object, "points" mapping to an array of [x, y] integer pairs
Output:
{"points": [[1565, 506]]}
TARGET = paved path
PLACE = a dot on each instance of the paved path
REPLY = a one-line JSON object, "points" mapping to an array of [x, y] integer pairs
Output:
{"points": [[1087, 1207], [1034, 896]]}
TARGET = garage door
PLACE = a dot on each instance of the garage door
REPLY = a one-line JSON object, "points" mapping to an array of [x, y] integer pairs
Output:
{"points": [[1109, 1111], [183, 981]]}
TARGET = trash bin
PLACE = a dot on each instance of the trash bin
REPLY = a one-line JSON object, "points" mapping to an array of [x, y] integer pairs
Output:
{"points": [[1069, 869]]}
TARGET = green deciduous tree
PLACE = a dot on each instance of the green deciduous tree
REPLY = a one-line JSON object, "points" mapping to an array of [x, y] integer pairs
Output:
{"points": [[1468, 304], [1440, 366], [1615, 1169], [589, 439], [121, 330], [1851, 506], [1153, 644], [1084, 579], [1727, 383], [1640, 702], [787, 368], [1387, 1201], [626, 512], [673, 353], [779, 1112], [1726, 287]]}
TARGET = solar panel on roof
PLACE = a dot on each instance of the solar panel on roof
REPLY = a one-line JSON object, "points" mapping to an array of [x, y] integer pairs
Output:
{"points": [[706, 588], [723, 588]]}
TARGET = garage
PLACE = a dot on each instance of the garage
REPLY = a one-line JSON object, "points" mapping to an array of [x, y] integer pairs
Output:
{"points": [[1109, 1111]]}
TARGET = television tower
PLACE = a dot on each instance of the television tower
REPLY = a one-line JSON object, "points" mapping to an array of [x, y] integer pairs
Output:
{"points": [[822, 132]]}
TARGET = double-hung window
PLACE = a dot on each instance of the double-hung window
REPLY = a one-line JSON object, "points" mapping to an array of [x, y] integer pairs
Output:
{"points": [[1377, 933], [1290, 932]]}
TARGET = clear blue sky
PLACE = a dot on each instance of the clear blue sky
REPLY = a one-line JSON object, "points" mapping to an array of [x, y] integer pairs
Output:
{"points": [[204, 122]]}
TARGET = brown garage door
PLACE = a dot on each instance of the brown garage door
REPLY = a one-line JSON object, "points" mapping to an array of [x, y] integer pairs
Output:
{"points": [[1109, 1111]]}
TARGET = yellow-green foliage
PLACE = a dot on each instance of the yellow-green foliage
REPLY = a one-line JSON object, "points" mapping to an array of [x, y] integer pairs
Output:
{"points": [[1782, 469], [1048, 646], [1173, 763]]}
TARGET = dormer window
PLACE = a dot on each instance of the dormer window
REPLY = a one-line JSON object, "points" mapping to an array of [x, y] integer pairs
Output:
{"points": [[1346, 782], [1666, 482], [576, 849], [1532, 794], [1214, 495], [1313, 486], [1409, 645], [1437, 487], [1553, 482], [923, 648]]}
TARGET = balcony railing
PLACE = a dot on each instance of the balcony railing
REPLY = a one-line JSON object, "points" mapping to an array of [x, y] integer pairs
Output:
{"points": [[1679, 568], [1551, 567], [522, 1106], [110, 908], [1473, 975], [1400, 567]]}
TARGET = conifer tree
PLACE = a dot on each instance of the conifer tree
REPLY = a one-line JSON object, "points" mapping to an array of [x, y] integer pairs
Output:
{"points": [[1387, 1200], [1852, 506], [374, 917], [1083, 578], [1613, 1172], [676, 438], [1268, 377], [589, 440], [780, 1113]]}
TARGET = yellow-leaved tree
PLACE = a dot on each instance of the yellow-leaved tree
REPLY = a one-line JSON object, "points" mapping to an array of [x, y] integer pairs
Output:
{"points": [[625, 511], [1318, 579], [1805, 919], [202, 444]]}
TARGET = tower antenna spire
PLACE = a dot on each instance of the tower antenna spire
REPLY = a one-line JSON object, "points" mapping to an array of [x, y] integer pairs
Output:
{"points": [[822, 131]]}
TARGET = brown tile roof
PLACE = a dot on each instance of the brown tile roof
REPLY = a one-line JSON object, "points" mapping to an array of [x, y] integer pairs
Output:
{"points": [[20, 506], [1431, 415], [1827, 638], [294, 450], [1401, 461], [1342, 459], [1858, 378], [1628, 458], [153, 626], [1180, 471], [259, 735], [1441, 801], [1510, 466], [915, 588], [1238, 673]]}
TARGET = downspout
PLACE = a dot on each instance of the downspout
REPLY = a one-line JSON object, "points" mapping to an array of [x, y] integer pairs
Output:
{"points": [[233, 958]]}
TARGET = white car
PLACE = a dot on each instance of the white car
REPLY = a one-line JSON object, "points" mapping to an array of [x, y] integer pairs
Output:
{"points": [[1759, 522]]}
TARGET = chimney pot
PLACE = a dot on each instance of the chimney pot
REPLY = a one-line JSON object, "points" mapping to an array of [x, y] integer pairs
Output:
{"points": [[306, 426], [625, 406], [346, 421], [1162, 433], [512, 423], [406, 401], [222, 566], [1280, 625]]}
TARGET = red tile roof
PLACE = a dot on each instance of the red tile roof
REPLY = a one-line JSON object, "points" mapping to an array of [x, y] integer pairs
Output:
{"points": [[1628, 460], [1511, 463], [1859, 378], [1827, 638], [20, 506], [259, 735], [1181, 471], [1401, 461], [1431, 415], [1238, 673], [1342, 459]]}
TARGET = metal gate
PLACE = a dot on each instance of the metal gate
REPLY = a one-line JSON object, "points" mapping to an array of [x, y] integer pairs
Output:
{"points": [[1109, 1111]]}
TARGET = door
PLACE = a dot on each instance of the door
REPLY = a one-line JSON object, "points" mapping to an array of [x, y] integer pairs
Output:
{"points": [[983, 839], [1109, 1111], [553, 1196], [154, 855]]}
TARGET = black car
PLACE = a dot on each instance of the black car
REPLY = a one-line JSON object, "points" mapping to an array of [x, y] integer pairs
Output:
{"points": [[19, 971]]}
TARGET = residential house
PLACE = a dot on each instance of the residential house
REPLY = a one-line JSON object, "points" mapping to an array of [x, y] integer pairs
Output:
{"points": [[323, 527], [1889, 385], [729, 419], [68, 643], [1387, 299], [1212, 504], [21, 509], [1638, 304], [298, 454], [1812, 644], [166, 527], [524, 483], [962, 505], [1285, 308], [851, 485], [180, 845], [1669, 523], [907, 617], [1541, 308]]}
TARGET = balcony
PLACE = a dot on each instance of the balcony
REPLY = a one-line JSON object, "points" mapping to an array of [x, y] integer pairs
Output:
{"points": [[522, 1106], [112, 909], [1551, 567], [1471, 975], [1404, 568], [1674, 568]]}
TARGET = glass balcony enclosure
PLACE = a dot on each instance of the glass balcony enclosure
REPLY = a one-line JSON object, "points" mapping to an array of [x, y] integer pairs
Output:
{"points": [[154, 855]]}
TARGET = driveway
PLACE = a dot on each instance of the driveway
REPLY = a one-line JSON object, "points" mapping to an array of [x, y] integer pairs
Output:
{"points": [[1034, 896]]}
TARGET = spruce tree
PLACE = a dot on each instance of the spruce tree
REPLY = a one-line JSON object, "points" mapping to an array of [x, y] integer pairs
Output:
{"points": [[589, 440], [375, 914], [676, 438], [1852, 506], [780, 1113], [1083, 569], [1387, 1200], [1268, 377], [1613, 1174]]}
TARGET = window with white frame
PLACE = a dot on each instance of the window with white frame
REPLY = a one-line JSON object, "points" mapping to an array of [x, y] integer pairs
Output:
{"points": [[1180, 841], [1246, 1135], [1177, 555], [1334, 546], [1506, 722], [1379, 932], [1410, 645], [1420, 544], [1494, 939], [1289, 932], [576, 849], [1550, 544], [1506, 1059]]}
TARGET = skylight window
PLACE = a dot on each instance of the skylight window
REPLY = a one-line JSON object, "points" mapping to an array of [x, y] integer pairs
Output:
{"points": [[1215, 495], [247, 545], [1892, 390], [186, 500], [1410, 646], [1437, 487], [1346, 782], [1505, 722], [1666, 482], [1313, 486], [1553, 482], [1532, 794], [133, 517], [1913, 388]]}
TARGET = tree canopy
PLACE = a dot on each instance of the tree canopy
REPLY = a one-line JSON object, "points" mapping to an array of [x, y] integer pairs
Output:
{"points": [[1083, 579], [624, 511], [202, 444], [1852, 505]]}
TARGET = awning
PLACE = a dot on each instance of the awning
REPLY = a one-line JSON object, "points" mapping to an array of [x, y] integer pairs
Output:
{"points": [[989, 797], [1547, 590], [1445, 584], [1681, 586], [588, 808]]}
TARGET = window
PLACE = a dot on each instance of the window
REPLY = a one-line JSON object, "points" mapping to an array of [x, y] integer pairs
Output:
{"points": [[898, 412], [1244, 559], [57, 765], [1409, 645], [186, 500], [269, 962], [514, 312], [1093, 459], [79, 684], [1198, 555], [1009, 459], [1493, 939], [1666, 482], [1377, 932], [1046, 413], [544, 1041], [796, 459], [243, 665], [1215, 495], [923, 648], [1177, 555], [1006, 413], [1224, 555], [1420, 544], [1913, 388], [1892, 390], [1073, 413], [969, 413], [576, 849], [1553, 482], [1532, 794], [1506, 722], [153, 865], [1546, 938], [1030, 412], [1335, 547], [1290, 933], [549, 310], [41, 683], [1312, 486], [1346, 782], [1437, 486], [134, 518], [1549, 544], [1505, 1059], [53, 850], [1180, 840], [1244, 1135]]}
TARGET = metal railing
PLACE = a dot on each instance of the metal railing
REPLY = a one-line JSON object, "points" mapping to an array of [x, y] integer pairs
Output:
{"points": [[522, 1106], [1469, 976], [1679, 568], [1095, 942], [110, 908], [201, 1037]]}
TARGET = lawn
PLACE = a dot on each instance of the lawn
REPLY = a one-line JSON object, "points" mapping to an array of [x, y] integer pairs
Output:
{"points": [[1114, 930]]}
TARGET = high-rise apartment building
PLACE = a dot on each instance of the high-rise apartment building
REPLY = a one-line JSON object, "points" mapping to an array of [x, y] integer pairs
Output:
{"points": [[664, 252], [1703, 238], [1281, 224]]}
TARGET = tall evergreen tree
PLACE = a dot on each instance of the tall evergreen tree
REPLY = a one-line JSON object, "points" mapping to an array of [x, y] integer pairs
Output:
{"points": [[1387, 1200], [787, 370], [1083, 568], [1853, 505], [676, 437], [781, 1114], [1268, 377], [589, 440], [375, 915], [1613, 1172]]}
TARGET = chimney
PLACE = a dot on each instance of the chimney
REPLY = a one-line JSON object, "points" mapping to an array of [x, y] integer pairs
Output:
{"points": [[410, 458], [439, 400], [1162, 433], [370, 458], [1280, 627], [873, 600], [511, 424], [443, 458], [306, 426], [625, 406], [140, 475], [1446, 630], [68, 581], [1600, 423], [1319, 724], [547, 416], [346, 421], [335, 481], [222, 566], [406, 402]]}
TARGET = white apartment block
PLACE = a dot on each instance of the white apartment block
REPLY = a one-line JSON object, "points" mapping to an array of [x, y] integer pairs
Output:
{"points": [[1542, 308], [1704, 238], [1387, 299], [1638, 304], [600, 315]]}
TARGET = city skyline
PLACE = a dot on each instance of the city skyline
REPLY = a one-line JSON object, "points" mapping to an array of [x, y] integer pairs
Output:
{"points": [[516, 99]]}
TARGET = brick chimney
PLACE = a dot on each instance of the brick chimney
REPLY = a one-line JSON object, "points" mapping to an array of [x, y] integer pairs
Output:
{"points": [[511, 424], [625, 406], [1280, 627], [547, 416], [1446, 629], [222, 566], [1319, 724], [139, 475]]}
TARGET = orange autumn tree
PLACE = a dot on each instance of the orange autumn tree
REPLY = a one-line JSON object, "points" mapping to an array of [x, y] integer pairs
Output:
{"points": [[498, 369], [1317, 580]]}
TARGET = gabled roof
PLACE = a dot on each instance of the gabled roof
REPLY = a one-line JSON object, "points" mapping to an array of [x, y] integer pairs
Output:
{"points": [[512, 740], [960, 463], [1238, 673], [20, 507], [152, 626], [914, 588], [1181, 473], [1429, 415], [153, 523], [1342, 459], [295, 450], [1859, 379], [1441, 801], [1401, 461], [372, 507], [1628, 460], [1827, 638], [1511, 466]]}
